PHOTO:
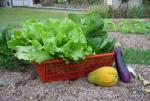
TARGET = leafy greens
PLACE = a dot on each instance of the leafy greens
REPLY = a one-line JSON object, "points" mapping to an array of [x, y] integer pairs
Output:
{"points": [[92, 24], [50, 39], [72, 38]]}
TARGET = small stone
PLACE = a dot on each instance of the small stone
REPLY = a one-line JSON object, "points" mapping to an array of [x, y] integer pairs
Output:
{"points": [[46, 91], [12, 91], [30, 97], [134, 92]]}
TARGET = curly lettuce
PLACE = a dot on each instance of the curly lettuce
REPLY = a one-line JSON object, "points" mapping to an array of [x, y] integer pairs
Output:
{"points": [[50, 39]]}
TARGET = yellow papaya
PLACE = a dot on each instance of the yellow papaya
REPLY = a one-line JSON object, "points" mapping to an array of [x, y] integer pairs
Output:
{"points": [[104, 76]]}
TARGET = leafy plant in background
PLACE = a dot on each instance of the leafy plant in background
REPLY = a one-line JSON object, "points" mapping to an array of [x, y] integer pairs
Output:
{"points": [[3, 40], [110, 26], [62, 1], [135, 12], [125, 27], [5, 52], [124, 1], [96, 1], [77, 2], [7, 60], [101, 9], [128, 26], [140, 26]]}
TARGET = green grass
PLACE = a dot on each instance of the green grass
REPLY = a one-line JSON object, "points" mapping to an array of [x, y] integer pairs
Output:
{"points": [[136, 56], [15, 16]]}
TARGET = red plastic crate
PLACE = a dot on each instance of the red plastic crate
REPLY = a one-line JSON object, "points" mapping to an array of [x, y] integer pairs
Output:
{"points": [[54, 70]]}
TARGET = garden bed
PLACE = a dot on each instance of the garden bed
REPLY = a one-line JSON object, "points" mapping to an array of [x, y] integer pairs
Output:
{"points": [[132, 40]]}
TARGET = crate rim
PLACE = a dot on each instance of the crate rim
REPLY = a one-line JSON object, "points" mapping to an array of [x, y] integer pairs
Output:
{"points": [[87, 57]]}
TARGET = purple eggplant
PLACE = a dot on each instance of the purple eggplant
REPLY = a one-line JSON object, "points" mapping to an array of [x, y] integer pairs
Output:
{"points": [[122, 69]]}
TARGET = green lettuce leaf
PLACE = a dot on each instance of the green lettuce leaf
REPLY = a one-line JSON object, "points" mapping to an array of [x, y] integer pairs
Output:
{"points": [[31, 54], [92, 25], [50, 39]]}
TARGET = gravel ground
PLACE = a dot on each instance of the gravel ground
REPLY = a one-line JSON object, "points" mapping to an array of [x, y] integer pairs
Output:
{"points": [[118, 20], [132, 40], [18, 86]]}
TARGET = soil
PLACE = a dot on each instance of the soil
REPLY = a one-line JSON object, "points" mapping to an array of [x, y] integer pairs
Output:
{"points": [[18, 86], [132, 40], [118, 20]]}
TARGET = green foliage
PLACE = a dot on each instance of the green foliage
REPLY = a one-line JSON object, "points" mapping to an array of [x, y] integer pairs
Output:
{"points": [[62, 1], [10, 62], [3, 39], [141, 11], [103, 10], [70, 39], [135, 12], [92, 24], [123, 1], [96, 1], [77, 2], [49, 39], [128, 26], [7, 60], [136, 56]]}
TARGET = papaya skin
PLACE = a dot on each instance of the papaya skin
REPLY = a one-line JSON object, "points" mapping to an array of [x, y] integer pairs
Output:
{"points": [[104, 76]]}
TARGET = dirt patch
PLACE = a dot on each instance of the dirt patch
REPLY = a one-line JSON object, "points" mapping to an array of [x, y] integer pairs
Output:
{"points": [[132, 40], [16, 86], [118, 20]]}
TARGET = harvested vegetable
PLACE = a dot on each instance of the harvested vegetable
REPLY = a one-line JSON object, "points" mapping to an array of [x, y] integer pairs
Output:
{"points": [[93, 25], [50, 39], [104, 76], [71, 38], [122, 69]]}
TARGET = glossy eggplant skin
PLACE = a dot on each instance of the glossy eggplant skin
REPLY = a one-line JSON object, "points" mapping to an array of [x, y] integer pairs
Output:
{"points": [[122, 69]]}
